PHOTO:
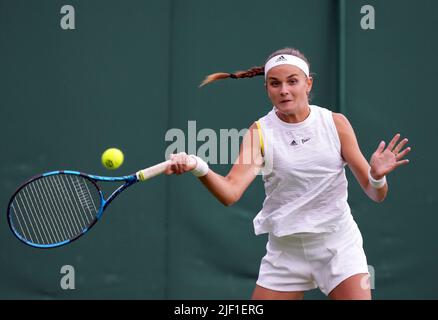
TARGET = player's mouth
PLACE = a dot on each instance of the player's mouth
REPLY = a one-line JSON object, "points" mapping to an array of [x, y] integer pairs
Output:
{"points": [[285, 101]]}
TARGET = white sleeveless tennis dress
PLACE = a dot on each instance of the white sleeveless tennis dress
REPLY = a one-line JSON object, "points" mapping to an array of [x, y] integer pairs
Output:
{"points": [[313, 239]]}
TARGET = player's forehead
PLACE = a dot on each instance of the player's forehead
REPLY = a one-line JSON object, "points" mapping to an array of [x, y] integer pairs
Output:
{"points": [[284, 71]]}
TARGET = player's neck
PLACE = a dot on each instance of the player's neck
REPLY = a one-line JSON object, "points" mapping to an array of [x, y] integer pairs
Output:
{"points": [[294, 117]]}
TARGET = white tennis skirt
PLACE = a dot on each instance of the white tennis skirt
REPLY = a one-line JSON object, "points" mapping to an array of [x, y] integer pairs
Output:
{"points": [[305, 261]]}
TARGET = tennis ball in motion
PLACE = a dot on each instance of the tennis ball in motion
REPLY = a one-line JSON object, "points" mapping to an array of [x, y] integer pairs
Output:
{"points": [[112, 158]]}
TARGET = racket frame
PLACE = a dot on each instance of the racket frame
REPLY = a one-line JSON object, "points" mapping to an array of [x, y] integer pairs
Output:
{"points": [[129, 181]]}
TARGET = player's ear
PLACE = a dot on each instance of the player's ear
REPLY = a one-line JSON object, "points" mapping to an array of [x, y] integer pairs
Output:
{"points": [[267, 91], [309, 84]]}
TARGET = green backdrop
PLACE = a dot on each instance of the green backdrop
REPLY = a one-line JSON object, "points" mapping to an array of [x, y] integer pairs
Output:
{"points": [[129, 72]]}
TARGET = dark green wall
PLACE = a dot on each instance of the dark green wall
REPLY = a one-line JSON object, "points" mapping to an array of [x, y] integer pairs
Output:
{"points": [[390, 86], [130, 71], [65, 97]]}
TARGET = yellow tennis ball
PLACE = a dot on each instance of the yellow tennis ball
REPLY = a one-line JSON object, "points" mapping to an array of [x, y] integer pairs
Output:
{"points": [[112, 158]]}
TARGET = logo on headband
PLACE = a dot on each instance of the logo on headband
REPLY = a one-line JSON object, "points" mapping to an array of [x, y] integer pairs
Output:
{"points": [[280, 58]]}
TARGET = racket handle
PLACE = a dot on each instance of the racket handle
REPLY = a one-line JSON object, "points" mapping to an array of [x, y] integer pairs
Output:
{"points": [[153, 171]]}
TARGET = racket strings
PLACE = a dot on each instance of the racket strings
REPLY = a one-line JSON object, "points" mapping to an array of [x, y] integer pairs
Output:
{"points": [[54, 208]]}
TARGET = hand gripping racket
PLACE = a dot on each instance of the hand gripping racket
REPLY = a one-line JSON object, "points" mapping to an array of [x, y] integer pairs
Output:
{"points": [[56, 208]]}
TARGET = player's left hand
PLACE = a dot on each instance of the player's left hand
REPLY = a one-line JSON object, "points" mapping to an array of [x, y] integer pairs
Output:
{"points": [[384, 160]]}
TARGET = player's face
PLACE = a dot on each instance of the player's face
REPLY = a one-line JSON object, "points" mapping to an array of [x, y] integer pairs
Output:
{"points": [[287, 88]]}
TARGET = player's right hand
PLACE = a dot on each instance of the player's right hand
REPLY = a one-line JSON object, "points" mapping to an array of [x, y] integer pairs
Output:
{"points": [[181, 163]]}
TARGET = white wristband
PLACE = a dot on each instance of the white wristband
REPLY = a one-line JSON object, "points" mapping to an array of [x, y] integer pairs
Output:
{"points": [[376, 184], [201, 168]]}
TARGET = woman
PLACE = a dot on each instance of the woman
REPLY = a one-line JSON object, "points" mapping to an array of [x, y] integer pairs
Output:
{"points": [[302, 150]]}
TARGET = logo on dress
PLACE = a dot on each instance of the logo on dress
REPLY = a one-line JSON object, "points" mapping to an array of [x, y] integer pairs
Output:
{"points": [[303, 141]]}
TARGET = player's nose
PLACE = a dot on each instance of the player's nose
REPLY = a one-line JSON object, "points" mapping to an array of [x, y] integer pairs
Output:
{"points": [[283, 90]]}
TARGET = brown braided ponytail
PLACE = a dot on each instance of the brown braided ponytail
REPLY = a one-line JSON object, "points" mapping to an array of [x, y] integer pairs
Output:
{"points": [[255, 71]]}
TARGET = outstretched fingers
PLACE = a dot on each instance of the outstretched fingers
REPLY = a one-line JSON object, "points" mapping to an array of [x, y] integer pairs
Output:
{"points": [[400, 146], [397, 149], [401, 163], [393, 142], [381, 147], [402, 154]]}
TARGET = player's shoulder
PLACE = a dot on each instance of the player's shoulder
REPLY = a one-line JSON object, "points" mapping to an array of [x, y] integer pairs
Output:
{"points": [[342, 124], [337, 116], [253, 125], [253, 130], [340, 119]]}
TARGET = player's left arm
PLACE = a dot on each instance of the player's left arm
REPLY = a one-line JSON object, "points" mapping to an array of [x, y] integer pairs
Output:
{"points": [[383, 161]]}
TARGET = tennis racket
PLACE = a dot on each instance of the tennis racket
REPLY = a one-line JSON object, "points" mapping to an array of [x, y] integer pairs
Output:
{"points": [[56, 208]]}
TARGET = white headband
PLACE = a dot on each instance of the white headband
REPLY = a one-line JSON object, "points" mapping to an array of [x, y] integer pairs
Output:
{"points": [[286, 59]]}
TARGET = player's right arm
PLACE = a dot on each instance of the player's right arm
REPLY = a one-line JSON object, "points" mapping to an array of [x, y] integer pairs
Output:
{"points": [[230, 188]]}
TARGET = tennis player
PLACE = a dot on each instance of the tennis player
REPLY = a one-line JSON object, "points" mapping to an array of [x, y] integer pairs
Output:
{"points": [[313, 239]]}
